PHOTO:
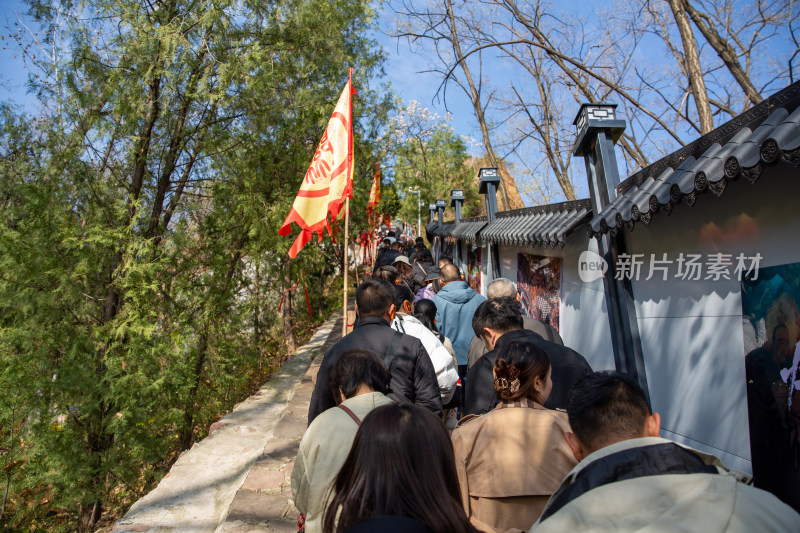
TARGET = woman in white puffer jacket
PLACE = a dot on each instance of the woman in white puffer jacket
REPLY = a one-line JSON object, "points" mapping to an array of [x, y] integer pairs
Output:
{"points": [[442, 359]]}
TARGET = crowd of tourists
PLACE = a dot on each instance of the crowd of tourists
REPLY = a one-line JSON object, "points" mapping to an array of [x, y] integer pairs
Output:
{"points": [[447, 411]]}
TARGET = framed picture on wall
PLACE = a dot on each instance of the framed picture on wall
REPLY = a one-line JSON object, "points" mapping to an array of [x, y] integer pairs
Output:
{"points": [[771, 324], [474, 268], [539, 287]]}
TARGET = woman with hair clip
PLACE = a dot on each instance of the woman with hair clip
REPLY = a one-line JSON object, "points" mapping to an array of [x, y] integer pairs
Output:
{"points": [[399, 477], [512, 458]]}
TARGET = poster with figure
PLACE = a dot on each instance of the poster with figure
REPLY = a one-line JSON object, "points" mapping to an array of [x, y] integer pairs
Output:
{"points": [[539, 287], [449, 246], [474, 270], [771, 325]]}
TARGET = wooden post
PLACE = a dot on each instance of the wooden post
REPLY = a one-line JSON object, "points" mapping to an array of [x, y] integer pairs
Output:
{"points": [[346, 236]]}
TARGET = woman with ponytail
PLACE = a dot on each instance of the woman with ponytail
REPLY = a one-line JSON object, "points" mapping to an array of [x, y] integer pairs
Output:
{"points": [[511, 459]]}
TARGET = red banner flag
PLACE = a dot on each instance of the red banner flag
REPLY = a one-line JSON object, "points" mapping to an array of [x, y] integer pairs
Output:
{"points": [[329, 179]]}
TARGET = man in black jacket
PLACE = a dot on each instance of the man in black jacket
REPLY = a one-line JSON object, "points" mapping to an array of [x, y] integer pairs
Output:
{"points": [[413, 376], [505, 288], [498, 322]]}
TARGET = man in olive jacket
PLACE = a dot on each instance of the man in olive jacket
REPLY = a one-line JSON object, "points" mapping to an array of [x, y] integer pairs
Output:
{"points": [[629, 480], [413, 376], [499, 322]]}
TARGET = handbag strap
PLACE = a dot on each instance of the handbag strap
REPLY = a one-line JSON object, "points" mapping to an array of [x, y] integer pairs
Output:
{"points": [[351, 413]]}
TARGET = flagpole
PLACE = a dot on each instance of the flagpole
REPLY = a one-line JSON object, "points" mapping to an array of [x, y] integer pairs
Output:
{"points": [[346, 236]]}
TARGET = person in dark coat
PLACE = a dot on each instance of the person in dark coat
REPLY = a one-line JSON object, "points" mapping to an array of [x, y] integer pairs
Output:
{"points": [[413, 376], [423, 265], [499, 322], [388, 257]]}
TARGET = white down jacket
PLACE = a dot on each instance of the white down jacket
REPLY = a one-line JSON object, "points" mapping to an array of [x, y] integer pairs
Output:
{"points": [[446, 372]]}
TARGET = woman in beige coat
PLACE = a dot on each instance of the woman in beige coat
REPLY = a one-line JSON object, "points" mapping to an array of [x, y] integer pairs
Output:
{"points": [[511, 459], [360, 382]]}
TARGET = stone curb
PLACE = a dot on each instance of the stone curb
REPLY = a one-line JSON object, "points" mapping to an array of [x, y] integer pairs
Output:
{"points": [[264, 502], [210, 487]]}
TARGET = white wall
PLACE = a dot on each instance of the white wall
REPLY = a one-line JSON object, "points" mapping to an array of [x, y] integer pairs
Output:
{"points": [[692, 330], [584, 320]]}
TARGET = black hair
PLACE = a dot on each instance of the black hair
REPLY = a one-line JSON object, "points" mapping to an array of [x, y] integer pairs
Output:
{"points": [[500, 314], [401, 464], [424, 256], [425, 312], [374, 296], [358, 367], [523, 361], [402, 294], [387, 272], [419, 240], [607, 407]]}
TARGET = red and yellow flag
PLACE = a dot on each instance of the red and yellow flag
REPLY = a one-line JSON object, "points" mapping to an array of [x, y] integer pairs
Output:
{"points": [[374, 194], [329, 179]]}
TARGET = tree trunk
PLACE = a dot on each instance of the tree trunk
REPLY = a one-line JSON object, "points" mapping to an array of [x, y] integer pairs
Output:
{"points": [[724, 50], [187, 432], [257, 306], [694, 72], [11, 463], [504, 200], [288, 325], [88, 516]]}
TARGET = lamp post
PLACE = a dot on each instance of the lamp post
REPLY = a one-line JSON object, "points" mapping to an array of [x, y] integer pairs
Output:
{"points": [[419, 203]]}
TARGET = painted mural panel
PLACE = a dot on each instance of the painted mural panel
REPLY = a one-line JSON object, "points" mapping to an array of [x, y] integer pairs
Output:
{"points": [[771, 333], [449, 246], [474, 268], [539, 287]]}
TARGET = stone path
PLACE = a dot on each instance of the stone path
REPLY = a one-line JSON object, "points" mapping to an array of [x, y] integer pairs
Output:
{"points": [[238, 478]]}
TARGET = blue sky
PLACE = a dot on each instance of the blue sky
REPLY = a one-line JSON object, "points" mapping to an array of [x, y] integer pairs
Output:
{"points": [[13, 75], [405, 70]]}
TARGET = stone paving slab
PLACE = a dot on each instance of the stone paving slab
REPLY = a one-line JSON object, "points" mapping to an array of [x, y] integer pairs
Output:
{"points": [[264, 502], [236, 479]]}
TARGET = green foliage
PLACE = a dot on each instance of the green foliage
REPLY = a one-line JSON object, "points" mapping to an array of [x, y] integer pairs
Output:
{"points": [[428, 156], [140, 266]]}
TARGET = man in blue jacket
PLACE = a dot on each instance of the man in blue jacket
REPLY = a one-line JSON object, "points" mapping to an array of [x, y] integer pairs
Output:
{"points": [[455, 305]]}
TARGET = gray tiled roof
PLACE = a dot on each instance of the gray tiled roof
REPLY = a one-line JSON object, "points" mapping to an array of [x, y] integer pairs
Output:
{"points": [[547, 225], [429, 229], [742, 147], [433, 229], [468, 229]]}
